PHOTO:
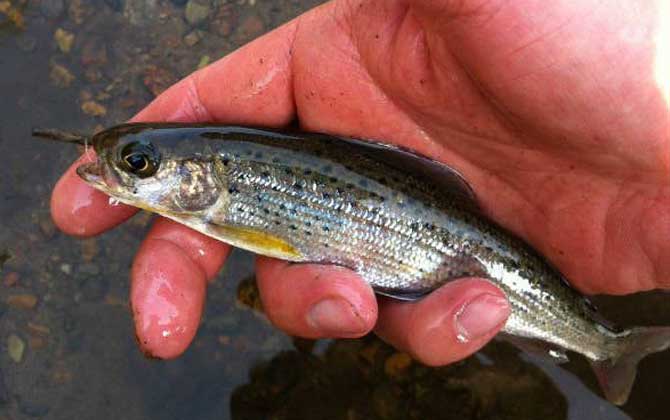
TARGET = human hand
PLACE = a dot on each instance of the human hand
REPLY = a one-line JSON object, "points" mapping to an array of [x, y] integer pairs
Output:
{"points": [[556, 113]]}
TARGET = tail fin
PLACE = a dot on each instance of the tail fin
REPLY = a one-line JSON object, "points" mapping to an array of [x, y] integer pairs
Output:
{"points": [[616, 375]]}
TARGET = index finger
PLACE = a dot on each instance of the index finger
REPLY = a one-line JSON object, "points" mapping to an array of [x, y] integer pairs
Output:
{"points": [[250, 86]]}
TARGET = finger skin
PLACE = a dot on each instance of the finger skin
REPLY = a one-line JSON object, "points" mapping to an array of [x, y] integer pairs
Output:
{"points": [[429, 329], [250, 86], [316, 301], [169, 276], [80, 210]]}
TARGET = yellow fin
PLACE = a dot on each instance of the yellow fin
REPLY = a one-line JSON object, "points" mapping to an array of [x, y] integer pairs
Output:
{"points": [[257, 241]]}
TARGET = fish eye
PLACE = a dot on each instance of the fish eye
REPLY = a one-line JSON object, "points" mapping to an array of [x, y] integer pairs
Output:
{"points": [[140, 159]]}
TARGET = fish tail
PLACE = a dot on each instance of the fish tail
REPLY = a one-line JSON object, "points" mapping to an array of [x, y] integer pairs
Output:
{"points": [[617, 374]]}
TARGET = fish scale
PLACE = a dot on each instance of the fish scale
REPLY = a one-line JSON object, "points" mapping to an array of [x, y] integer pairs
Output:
{"points": [[406, 224]]}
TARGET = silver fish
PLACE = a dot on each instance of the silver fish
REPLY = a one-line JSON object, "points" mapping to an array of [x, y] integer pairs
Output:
{"points": [[405, 223]]}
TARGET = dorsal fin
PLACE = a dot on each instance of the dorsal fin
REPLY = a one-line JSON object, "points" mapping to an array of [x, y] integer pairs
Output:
{"points": [[449, 181]]}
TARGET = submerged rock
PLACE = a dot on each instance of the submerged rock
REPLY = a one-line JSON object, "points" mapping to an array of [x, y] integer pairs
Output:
{"points": [[15, 348], [197, 11]]}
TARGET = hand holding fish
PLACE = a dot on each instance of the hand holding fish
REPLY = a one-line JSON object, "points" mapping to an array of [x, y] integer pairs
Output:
{"points": [[556, 114]]}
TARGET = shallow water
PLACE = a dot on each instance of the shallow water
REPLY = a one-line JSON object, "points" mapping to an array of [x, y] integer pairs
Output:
{"points": [[66, 343]]}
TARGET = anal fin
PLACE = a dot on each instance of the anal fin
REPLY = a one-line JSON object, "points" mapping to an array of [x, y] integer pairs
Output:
{"points": [[536, 347]]}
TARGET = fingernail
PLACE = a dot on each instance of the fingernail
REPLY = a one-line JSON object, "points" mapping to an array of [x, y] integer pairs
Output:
{"points": [[335, 317], [478, 317]]}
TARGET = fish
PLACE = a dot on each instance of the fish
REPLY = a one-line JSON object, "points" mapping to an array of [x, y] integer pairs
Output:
{"points": [[405, 223]]}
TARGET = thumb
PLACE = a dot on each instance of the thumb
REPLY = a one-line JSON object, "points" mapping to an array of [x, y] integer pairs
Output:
{"points": [[448, 325]]}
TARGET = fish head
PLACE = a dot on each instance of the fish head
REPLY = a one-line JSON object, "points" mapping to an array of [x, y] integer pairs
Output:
{"points": [[136, 169]]}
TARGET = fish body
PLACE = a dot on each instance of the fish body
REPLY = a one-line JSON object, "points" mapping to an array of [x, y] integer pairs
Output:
{"points": [[404, 223]]}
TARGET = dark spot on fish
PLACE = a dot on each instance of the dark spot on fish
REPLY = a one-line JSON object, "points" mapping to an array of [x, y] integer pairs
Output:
{"points": [[258, 155], [249, 152], [348, 167], [277, 222], [429, 226], [308, 223], [326, 196], [325, 228], [307, 172], [297, 186], [259, 198], [339, 190], [233, 190], [288, 171], [266, 211], [308, 233], [276, 160], [265, 174], [293, 227], [326, 245], [332, 179], [275, 188], [282, 206], [225, 161], [241, 176], [349, 186], [240, 209]]}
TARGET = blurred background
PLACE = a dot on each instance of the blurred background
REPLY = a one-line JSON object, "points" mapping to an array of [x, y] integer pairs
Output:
{"points": [[67, 347]]}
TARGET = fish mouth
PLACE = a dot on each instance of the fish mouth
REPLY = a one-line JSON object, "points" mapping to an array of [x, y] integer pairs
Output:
{"points": [[96, 175]]}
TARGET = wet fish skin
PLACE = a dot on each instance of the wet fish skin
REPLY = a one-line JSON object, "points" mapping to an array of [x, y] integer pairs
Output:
{"points": [[405, 223]]}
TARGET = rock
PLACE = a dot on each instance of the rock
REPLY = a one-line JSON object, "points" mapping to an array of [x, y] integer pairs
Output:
{"points": [[23, 301], [13, 13], [197, 11], [193, 37], [89, 249], [15, 348], [94, 109], [115, 5], [251, 27], [223, 22], [38, 329], [139, 12], [52, 9], [47, 226], [64, 40], [94, 53], [397, 364], [66, 268], [61, 375], [204, 62], [60, 75], [79, 10], [157, 79], [33, 409], [37, 343], [11, 279]]}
